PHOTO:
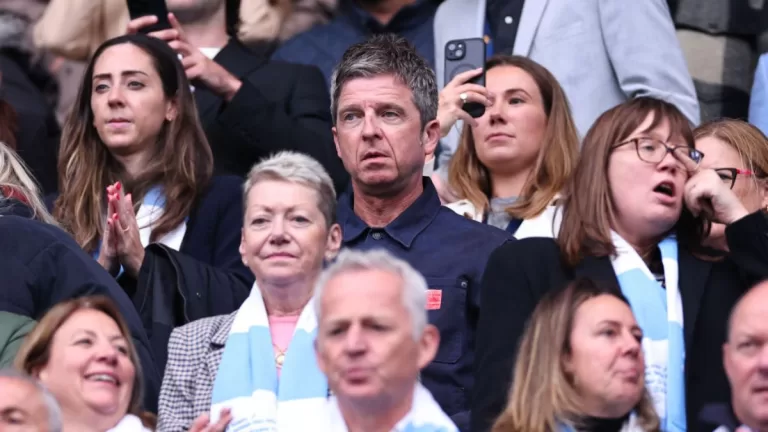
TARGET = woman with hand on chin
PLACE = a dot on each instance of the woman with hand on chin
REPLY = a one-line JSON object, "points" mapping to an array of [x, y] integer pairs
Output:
{"points": [[635, 214], [513, 161], [738, 152], [259, 360]]}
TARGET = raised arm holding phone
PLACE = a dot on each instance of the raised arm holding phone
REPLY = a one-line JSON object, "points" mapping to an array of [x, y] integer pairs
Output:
{"points": [[250, 107]]}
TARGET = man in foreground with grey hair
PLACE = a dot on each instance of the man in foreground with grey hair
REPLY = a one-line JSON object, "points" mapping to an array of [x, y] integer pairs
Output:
{"points": [[25, 405], [372, 341]]}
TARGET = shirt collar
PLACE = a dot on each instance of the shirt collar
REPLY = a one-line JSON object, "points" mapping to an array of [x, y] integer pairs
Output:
{"points": [[409, 16], [404, 229]]}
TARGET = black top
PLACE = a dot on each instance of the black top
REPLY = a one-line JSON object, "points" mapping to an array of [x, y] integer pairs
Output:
{"points": [[519, 273], [503, 17], [600, 424]]}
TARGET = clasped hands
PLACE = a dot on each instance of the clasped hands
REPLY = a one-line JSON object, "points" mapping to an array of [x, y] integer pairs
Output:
{"points": [[121, 241], [197, 66]]}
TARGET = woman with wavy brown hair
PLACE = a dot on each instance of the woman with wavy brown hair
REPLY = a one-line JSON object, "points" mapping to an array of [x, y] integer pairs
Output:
{"points": [[636, 213], [135, 167], [82, 352], [512, 161], [580, 366]]}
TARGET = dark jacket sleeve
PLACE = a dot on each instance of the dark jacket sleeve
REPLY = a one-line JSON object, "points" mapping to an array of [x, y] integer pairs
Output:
{"points": [[174, 289], [747, 240], [301, 123], [510, 290], [62, 273], [13, 329]]}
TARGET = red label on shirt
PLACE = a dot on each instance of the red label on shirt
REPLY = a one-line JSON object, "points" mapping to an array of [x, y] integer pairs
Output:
{"points": [[434, 299]]}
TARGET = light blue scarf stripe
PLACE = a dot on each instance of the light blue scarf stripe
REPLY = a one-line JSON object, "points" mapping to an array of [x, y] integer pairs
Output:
{"points": [[659, 313], [247, 380]]}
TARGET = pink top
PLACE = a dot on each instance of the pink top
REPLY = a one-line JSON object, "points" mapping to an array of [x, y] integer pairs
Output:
{"points": [[281, 329]]}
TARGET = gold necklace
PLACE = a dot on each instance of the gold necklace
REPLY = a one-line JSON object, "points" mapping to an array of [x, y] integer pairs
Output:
{"points": [[280, 356]]}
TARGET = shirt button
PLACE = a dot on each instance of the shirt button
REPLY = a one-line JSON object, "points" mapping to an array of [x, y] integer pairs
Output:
{"points": [[376, 235], [508, 19], [464, 284]]}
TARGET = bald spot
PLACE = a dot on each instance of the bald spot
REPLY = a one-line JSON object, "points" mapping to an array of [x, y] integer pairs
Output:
{"points": [[754, 302]]}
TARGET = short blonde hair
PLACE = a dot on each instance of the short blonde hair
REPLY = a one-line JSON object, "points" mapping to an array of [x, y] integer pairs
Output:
{"points": [[293, 167]]}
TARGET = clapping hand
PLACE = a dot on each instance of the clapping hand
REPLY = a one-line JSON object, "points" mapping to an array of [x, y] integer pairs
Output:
{"points": [[197, 65], [203, 423], [108, 251], [128, 245]]}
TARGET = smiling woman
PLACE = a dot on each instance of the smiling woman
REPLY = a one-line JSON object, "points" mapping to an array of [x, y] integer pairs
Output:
{"points": [[82, 351]]}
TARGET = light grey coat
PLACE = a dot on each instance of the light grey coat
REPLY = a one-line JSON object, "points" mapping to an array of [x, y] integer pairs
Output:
{"points": [[601, 51]]}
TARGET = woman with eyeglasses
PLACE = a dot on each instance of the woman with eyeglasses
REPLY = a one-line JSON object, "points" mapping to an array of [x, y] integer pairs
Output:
{"points": [[636, 213], [738, 152]]}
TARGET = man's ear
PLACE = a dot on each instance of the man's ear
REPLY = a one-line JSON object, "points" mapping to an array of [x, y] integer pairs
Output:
{"points": [[430, 137], [428, 344], [334, 242]]}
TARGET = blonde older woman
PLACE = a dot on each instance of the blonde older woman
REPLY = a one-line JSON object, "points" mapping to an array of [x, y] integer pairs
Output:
{"points": [[258, 361]]}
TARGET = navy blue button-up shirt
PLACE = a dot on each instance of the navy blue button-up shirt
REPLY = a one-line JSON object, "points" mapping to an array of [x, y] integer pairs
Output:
{"points": [[324, 45], [451, 252]]}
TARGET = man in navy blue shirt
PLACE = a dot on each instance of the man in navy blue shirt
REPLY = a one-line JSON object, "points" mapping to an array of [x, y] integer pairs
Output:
{"points": [[355, 21], [384, 109]]}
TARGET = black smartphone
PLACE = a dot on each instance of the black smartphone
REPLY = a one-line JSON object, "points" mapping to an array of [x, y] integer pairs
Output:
{"points": [[462, 55], [140, 8]]}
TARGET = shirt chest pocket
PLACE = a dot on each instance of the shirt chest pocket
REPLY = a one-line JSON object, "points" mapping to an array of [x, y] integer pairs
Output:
{"points": [[447, 310]]}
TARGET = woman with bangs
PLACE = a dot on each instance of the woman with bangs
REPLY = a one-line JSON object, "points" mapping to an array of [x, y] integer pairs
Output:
{"points": [[636, 213], [512, 161]]}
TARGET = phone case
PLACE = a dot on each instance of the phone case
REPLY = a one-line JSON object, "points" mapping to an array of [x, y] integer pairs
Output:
{"points": [[140, 8], [463, 55]]}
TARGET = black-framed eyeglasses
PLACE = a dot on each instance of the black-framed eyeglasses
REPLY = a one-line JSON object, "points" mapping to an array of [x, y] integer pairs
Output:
{"points": [[653, 151], [728, 175]]}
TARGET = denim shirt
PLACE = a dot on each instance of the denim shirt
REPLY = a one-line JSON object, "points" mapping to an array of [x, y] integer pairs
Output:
{"points": [[451, 252]]}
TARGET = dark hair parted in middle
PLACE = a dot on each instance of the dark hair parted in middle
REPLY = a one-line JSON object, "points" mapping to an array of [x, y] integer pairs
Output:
{"points": [[182, 163], [588, 213]]}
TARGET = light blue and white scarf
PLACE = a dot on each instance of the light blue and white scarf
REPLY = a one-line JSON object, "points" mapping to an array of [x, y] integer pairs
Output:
{"points": [[150, 211], [425, 416], [659, 313], [247, 381]]}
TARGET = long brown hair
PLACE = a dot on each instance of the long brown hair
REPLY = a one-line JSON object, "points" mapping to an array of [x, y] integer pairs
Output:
{"points": [[557, 155], [182, 166], [587, 205], [542, 394], [35, 352], [748, 141]]}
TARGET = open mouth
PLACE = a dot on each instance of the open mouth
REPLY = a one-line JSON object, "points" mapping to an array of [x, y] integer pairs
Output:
{"points": [[665, 188], [103, 377]]}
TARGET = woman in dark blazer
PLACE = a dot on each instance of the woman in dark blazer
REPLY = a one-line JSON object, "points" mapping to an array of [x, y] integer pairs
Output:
{"points": [[636, 195], [135, 167]]}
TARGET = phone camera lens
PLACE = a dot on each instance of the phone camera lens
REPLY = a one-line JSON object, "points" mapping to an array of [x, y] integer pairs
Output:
{"points": [[459, 53], [451, 47]]}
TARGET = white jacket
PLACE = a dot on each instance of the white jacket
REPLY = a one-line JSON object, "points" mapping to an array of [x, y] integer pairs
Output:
{"points": [[546, 224]]}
